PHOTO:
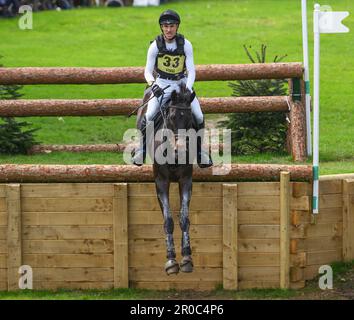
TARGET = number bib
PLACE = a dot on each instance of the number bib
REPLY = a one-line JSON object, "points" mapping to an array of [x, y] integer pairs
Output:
{"points": [[171, 64]]}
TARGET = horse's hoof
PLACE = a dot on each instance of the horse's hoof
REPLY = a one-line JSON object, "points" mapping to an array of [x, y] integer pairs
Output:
{"points": [[186, 264], [171, 267]]}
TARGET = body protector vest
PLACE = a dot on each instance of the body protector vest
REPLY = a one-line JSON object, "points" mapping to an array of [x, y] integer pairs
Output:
{"points": [[170, 64]]}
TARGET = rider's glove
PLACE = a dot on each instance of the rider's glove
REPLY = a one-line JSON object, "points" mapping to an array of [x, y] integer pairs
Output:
{"points": [[157, 91]]}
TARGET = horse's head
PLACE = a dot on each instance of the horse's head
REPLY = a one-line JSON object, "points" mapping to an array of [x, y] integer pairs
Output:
{"points": [[179, 110]]}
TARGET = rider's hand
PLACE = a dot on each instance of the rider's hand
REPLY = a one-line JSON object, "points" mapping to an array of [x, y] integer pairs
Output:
{"points": [[157, 91]]}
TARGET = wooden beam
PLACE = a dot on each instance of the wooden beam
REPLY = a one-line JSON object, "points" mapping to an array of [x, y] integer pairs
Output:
{"points": [[131, 173], [348, 220], [284, 230], [114, 107], [230, 231], [297, 115], [80, 75], [14, 241], [120, 226]]}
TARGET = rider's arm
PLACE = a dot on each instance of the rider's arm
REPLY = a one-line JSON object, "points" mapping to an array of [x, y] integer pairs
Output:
{"points": [[188, 49], [150, 63]]}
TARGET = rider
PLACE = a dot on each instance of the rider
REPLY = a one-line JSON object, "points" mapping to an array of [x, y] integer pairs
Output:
{"points": [[170, 55]]}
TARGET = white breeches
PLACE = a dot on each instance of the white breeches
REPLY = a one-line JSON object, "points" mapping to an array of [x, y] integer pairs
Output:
{"points": [[154, 104]]}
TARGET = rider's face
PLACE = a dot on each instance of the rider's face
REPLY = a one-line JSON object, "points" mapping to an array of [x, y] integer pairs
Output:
{"points": [[169, 30]]}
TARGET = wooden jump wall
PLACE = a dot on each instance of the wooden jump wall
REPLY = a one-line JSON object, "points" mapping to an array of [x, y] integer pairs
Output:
{"points": [[110, 235]]}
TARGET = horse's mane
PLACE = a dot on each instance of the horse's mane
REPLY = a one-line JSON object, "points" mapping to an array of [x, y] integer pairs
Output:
{"points": [[181, 97]]}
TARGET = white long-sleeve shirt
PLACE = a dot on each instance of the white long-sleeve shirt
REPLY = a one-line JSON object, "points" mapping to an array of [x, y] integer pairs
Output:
{"points": [[151, 59]]}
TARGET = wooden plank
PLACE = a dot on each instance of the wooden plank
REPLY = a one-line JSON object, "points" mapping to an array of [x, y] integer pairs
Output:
{"points": [[230, 237], [68, 260], [251, 284], [206, 189], [138, 246], [319, 244], [330, 201], [66, 190], [259, 245], [300, 189], [246, 259], [348, 187], [155, 217], [284, 230], [172, 285], [14, 240], [159, 275], [67, 246], [271, 203], [3, 246], [296, 274], [77, 285], [67, 204], [329, 215], [197, 203], [330, 187], [3, 263], [3, 284], [258, 217], [66, 218], [3, 232], [348, 221], [73, 274], [158, 259], [259, 274], [3, 219], [156, 232], [2, 191], [324, 230], [324, 257], [267, 232], [3, 205], [120, 226], [66, 232]]}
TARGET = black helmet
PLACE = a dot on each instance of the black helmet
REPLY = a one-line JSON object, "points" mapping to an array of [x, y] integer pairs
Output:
{"points": [[169, 17]]}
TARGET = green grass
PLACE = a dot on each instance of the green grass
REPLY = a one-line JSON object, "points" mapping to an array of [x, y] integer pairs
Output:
{"points": [[340, 269], [110, 37]]}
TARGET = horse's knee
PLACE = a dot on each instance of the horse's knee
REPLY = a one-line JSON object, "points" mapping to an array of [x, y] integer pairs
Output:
{"points": [[184, 222], [169, 225]]}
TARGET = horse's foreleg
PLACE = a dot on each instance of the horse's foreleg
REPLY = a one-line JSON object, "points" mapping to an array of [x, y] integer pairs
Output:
{"points": [[162, 190], [185, 189]]}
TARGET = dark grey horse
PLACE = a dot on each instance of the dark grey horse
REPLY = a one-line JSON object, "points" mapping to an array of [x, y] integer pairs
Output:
{"points": [[177, 114]]}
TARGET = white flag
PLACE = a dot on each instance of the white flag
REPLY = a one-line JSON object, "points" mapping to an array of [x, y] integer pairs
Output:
{"points": [[331, 22]]}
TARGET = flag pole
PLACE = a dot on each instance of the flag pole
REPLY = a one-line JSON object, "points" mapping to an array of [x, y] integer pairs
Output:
{"points": [[306, 75], [316, 109]]}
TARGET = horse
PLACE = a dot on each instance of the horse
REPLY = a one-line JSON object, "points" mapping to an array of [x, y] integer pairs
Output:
{"points": [[176, 115]]}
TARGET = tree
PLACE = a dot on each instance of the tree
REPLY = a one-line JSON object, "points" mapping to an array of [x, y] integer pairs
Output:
{"points": [[257, 132], [14, 139]]}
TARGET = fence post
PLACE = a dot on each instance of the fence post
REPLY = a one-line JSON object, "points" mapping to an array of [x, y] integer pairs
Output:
{"points": [[297, 128], [120, 235], [14, 239], [284, 230], [230, 231], [348, 219]]}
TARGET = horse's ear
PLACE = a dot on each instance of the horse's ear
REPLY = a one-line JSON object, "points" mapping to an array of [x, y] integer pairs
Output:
{"points": [[174, 96]]}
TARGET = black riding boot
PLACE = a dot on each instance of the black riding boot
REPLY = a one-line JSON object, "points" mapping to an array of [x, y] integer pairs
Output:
{"points": [[139, 154], [203, 157]]}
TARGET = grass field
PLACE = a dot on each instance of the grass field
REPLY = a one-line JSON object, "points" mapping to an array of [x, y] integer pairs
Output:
{"points": [[109, 37]]}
